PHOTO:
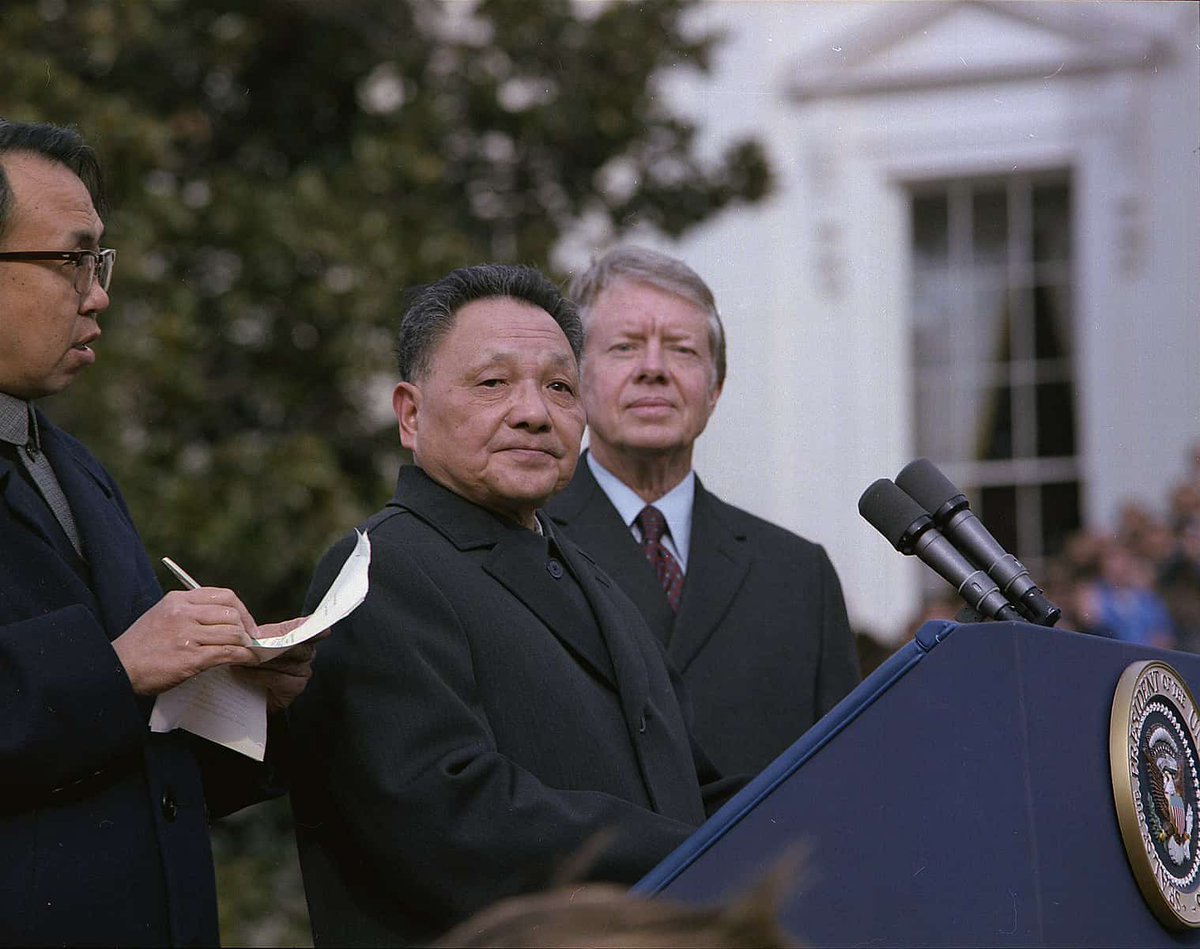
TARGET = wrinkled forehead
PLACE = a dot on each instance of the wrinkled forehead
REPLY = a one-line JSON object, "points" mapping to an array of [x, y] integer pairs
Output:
{"points": [[493, 326], [628, 303]]}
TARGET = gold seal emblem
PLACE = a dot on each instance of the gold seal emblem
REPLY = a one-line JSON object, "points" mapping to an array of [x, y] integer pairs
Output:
{"points": [[1152, 742]]}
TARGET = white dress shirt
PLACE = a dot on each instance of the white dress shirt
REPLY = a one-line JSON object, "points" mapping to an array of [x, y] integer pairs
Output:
{"points": [[675, 505]]}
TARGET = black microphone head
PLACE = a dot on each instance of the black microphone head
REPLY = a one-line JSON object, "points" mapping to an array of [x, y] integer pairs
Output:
{"points": [[893, 513], [924, 483]]}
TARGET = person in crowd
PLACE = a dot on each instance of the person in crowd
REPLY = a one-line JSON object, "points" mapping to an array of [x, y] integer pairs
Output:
{"points": [[1179, 583], [103, 825], [496, 702], [1122, 604], [751, 614]]}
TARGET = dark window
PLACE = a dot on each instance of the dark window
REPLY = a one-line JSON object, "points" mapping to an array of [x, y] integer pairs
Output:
{"points": [[994, 354]]}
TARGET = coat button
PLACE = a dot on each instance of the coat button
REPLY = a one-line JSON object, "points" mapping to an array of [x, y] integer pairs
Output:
{"points": [[169, 806], [555, 568], [642, 724]]}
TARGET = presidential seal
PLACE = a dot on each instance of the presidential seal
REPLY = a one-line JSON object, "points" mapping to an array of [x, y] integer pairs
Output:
{"points": [[1153, 737]]}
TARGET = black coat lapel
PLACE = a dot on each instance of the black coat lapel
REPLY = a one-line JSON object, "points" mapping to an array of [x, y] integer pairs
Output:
{"points": [[717, 566], [584, 511], [628, 643], [516, 560], [110, 541], [615, 628], [28, 507], [520, 567]]}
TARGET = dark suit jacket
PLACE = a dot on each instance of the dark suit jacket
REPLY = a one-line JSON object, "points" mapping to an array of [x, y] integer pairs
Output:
{"points": [[103, 826], [761, 639], [465, 730]]}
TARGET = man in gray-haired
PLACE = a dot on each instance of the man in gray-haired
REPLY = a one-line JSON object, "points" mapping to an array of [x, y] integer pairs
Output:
{"points": [[751, 614]]}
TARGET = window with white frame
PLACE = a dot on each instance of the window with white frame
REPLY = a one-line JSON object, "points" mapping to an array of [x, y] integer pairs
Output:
{"points": [[993, 351]]}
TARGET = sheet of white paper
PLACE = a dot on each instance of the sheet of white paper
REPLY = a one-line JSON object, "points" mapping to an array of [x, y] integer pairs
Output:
{"points": [[348, 590], [220, 707]]}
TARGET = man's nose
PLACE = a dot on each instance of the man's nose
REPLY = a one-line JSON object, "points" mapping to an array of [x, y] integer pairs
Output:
{"points": [[653, 363], [528, 409], [95, 301]]}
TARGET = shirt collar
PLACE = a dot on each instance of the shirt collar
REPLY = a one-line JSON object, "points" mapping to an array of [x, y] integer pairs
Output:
{"points": [[16, 419], [675, 505]]}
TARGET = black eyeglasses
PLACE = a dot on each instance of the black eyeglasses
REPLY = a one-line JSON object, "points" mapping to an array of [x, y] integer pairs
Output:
{"points": [[90, 265]]}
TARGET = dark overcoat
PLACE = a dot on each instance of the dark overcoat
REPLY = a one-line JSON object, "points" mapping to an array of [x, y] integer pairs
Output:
{"points": [[761, 638], [468, 729], [103, 826]]}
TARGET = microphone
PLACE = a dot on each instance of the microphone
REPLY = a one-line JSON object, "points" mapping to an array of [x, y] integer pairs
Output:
{"points": [[910, 530], [951, 512]]}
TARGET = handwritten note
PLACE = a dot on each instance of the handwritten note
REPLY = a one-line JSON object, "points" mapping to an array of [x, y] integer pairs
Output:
{"points": [[219, 706]]}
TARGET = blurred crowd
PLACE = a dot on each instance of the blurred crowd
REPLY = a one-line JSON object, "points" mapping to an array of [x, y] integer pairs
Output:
{"points": [[1141, 582]]}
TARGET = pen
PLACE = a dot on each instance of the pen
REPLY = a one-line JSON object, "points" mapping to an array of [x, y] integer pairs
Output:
{"points": [[184, 577]]}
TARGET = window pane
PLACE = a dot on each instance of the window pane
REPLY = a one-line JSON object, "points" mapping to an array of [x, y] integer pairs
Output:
{"points": [[936, 416], [934, 305], [1060, 515], [931, 229], [990, 328], [990, 226], [996, 426], [1051, 223], [998, 511], [1051, 321], [1055, 419]]}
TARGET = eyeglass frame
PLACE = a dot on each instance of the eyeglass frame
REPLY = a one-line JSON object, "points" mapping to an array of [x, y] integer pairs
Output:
{"points": [[103, 263]]}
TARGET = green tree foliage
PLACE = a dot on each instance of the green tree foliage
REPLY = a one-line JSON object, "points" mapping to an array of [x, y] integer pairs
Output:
{"points": [[279, 170]]}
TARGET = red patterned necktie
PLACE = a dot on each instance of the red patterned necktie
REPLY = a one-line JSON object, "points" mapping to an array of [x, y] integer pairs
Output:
{"points": [[653, 525]]}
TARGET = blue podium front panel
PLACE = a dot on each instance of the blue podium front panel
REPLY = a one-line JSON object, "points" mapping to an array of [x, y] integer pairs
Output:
{"points": [[960, 796]]}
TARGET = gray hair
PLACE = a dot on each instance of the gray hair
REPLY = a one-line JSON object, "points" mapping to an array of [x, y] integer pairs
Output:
{"points": [[61, 145], [666, 273], [431, 310]]}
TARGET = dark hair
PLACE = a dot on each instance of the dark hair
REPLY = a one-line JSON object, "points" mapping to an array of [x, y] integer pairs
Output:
{"points": [[430, 311], [60, 144], [606, 915], [666, 273]]}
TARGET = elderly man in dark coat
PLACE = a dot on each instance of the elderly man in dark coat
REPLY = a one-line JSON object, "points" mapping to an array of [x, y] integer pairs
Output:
{"points": [[496, 704]]}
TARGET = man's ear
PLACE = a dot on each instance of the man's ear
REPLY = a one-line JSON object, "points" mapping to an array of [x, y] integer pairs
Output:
{"points": [[406, 402]]}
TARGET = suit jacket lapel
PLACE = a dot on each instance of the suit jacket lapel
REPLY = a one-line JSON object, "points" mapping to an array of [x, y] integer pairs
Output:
{"points": [[110, 541], [515, 563], [521, 569], [584, 511], [27, 505], [717, 566], [621, 626], [626, 658]]}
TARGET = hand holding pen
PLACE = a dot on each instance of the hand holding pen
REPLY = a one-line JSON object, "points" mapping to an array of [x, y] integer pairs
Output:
{"points": [[283, 677], [183, 634]]}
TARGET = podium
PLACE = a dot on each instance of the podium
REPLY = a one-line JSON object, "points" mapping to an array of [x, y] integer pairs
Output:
{"points": [[960, 796]]}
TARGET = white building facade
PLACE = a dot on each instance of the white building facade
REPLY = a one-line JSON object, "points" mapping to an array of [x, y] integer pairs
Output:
{"points": [[983, 247]]}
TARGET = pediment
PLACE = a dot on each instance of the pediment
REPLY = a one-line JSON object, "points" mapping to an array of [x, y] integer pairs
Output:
{"points": [[937, 44]]}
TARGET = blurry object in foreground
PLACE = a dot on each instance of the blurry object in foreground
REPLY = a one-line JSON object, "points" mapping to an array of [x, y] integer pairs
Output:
{"points": [[602, 915]]}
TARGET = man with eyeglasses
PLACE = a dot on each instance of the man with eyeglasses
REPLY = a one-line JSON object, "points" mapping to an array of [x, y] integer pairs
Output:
{"points": [[103, 825]]}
